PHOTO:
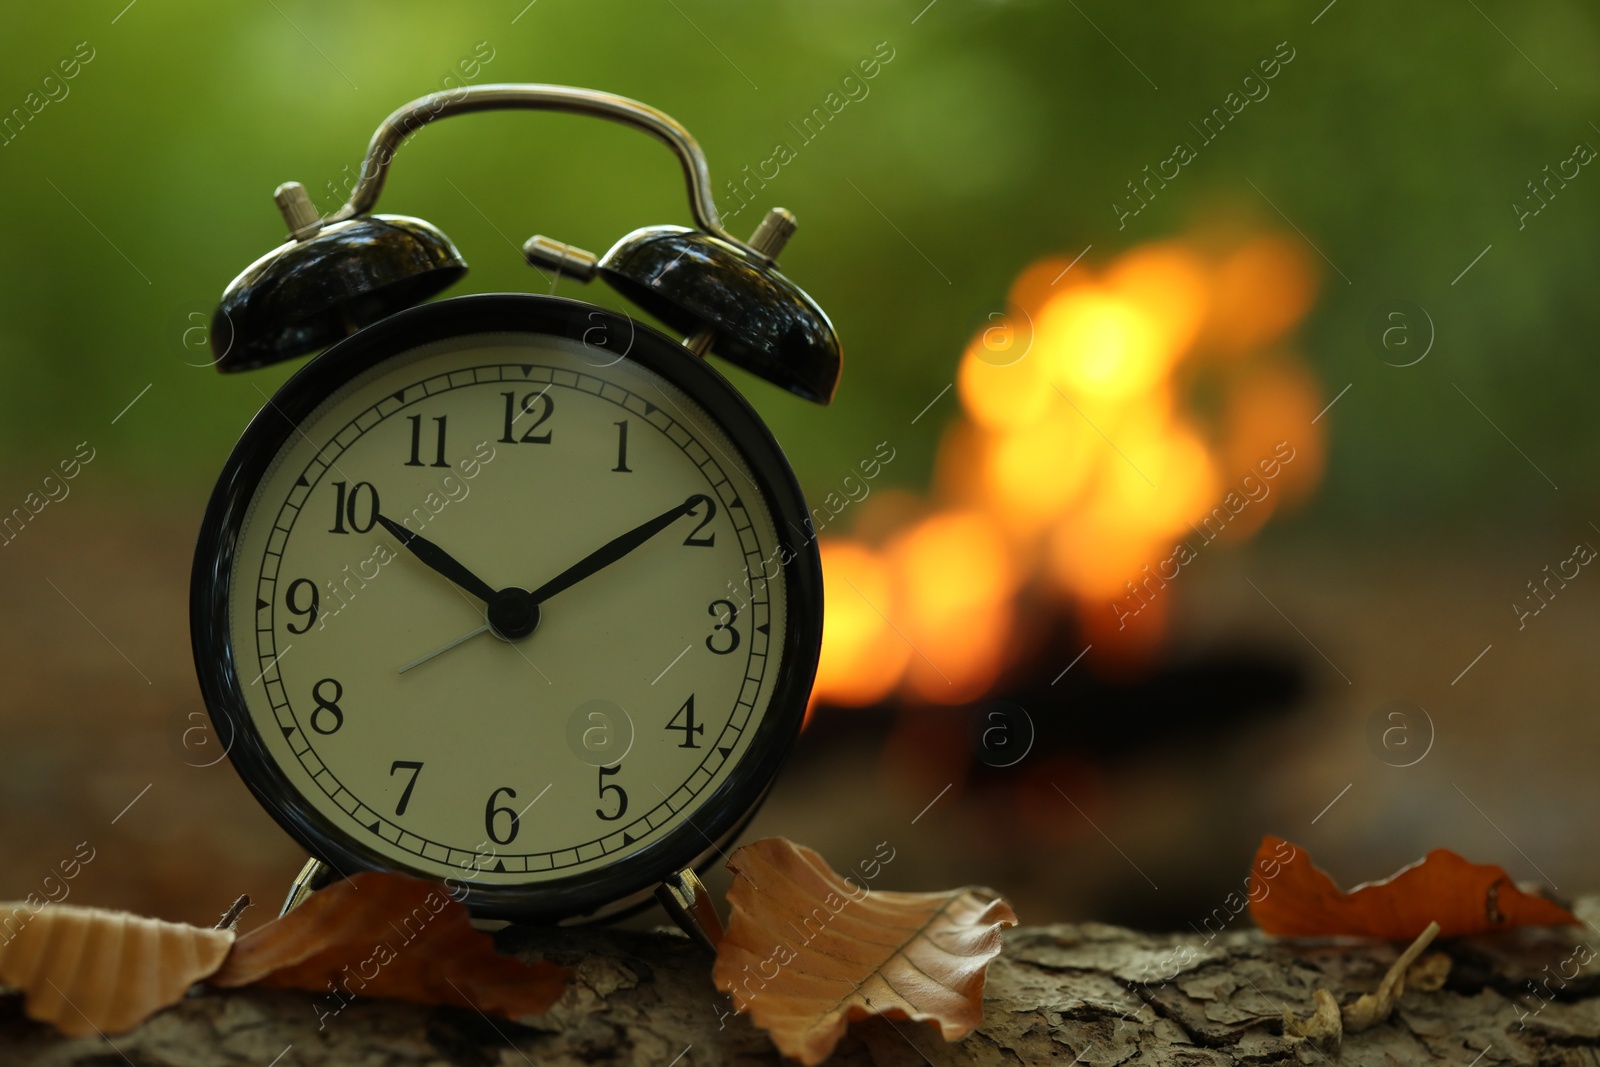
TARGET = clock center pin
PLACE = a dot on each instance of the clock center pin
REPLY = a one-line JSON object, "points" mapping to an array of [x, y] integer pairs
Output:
{"points": [[513, 614]]}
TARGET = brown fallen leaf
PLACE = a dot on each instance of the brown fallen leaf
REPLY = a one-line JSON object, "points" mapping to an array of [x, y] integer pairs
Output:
{"points": [[1292, 898], [89, 970], [379, 934], [807, 952]]}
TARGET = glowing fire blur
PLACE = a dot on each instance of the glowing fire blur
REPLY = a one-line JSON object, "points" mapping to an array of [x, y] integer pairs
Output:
{"points": [[1103, 415]]}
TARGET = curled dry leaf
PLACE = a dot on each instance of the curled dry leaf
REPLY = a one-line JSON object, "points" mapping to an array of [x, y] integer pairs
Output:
{"points": [[89, 970], [806, 951], [379, 934], [1325, 1025], [1370, 1009], [1429, 974], [1292, 898]]}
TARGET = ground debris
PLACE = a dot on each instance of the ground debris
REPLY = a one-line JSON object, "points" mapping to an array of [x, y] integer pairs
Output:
{"points": [[1091, 994]]}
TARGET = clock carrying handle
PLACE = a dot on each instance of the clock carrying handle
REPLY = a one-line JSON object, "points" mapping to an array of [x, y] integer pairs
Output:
{"points": [[418, 113]]}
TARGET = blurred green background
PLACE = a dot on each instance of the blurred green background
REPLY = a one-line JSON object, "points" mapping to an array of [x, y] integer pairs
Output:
{"points": [[1396, 143], [1396, 140]]}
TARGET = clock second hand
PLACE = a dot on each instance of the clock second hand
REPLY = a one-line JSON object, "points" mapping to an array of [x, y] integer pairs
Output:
{"points": [[446, 648], [443, 563]]}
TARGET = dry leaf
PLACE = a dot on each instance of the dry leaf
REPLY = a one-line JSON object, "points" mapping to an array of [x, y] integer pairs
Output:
{"points": [[1325, 1025], [1370, 1009], [1292, 898], [1429, 974], [379, 934], [806, 951], [1328, 1025], [89, 970]]}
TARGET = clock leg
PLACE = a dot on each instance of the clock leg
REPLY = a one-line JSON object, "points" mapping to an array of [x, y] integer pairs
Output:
{"points": [[312, 877], [684, 897]]}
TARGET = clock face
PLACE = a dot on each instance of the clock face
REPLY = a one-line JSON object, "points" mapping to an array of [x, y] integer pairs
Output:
{"points": [[512, 608]]}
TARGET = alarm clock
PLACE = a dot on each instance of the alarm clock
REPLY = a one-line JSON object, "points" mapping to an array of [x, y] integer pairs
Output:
{"points": [[512, 591]]}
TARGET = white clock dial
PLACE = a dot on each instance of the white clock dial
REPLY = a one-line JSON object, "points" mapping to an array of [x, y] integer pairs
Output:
{"points": [[510, 757]]}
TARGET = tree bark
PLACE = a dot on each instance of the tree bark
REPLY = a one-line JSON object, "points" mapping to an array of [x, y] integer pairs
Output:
{"points": [[1070, 994]]}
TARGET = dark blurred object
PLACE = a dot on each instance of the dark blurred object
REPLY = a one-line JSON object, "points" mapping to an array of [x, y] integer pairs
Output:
{"points": [[1107, 720]]}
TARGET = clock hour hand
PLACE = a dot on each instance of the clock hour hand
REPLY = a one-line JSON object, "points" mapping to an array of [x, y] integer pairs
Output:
{"points": [[439, 560], [615, 549]]}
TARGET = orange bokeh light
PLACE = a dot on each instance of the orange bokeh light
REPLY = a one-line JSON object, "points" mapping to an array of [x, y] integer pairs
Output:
{"points": [[1263, 288], [1271, 406], [1001, 391], [1098, 344], [862, 656], [1044, 279], [1082, 462], [954, 581], [1032, 475], [1170, 286]]}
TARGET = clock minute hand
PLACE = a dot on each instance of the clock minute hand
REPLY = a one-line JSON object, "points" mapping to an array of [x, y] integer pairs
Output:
{"points": [[614, 550], [439, 560]]}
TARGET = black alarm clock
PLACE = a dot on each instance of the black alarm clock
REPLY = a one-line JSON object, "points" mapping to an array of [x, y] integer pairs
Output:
{"points": [[508, 590]]}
